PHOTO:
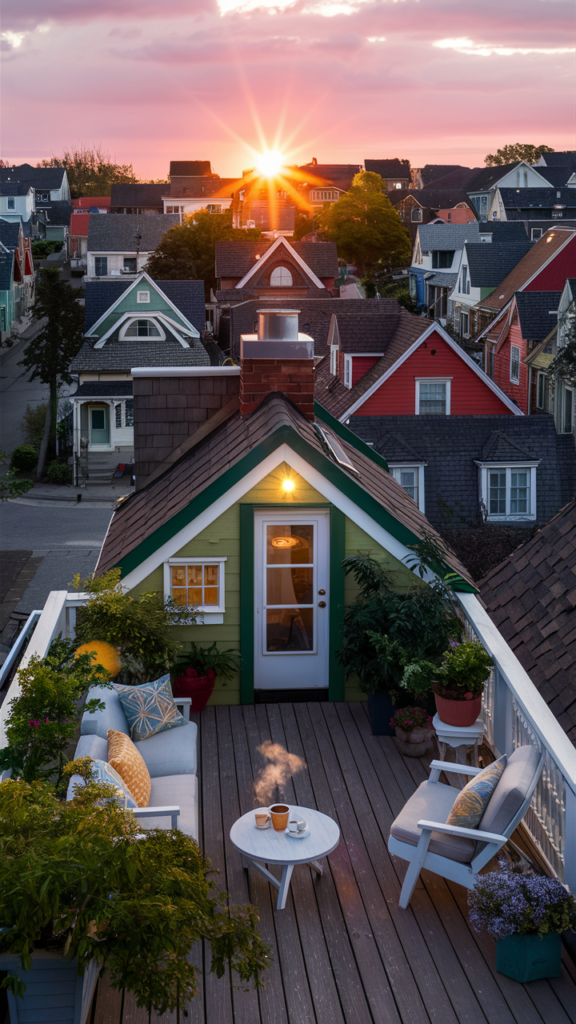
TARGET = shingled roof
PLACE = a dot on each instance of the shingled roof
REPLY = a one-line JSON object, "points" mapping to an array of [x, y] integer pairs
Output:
{"points": [[488, 264], [489, 176], [531, 597], [187, 296], [276, 419], [530, 264], [38, 177], [143, 195], [200, 186], [434, 198], [433, 172], [538, 313], [393, 168], [116, 232], [538, 198], [189, 168], [235, 259]]}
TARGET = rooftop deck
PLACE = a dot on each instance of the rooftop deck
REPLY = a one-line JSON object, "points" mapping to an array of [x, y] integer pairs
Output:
{"points": [[344, 953]]}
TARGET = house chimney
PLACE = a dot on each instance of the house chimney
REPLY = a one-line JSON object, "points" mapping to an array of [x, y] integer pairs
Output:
{"points": [[278, 358]]}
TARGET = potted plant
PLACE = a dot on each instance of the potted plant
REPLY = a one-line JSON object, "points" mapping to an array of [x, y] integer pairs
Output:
{"points": [[194, 672], [414, 731], [526, 914], [457, 683], [82, 885], [386, 631]]}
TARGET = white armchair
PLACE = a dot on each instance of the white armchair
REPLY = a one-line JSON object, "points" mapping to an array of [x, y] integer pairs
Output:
{"points": [[421, 836]]}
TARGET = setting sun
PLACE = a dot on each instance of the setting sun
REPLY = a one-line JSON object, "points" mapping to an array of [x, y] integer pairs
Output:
{"points": [[270, 163]]}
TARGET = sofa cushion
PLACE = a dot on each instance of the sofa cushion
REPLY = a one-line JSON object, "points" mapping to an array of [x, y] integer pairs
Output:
{"points": [[176, 791], [112, 717], [104, 772], [512, 790], [92, 746], [150, 708], [130, 765], [171, 753], [432, 801], [472, 801]]}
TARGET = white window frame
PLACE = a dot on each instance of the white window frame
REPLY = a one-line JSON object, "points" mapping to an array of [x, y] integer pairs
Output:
{"points": [[132, 320], [465, 322], [434, 380], [10, 204], [515, 348], [533, 236], [397, 467], [485, 468], [416, 215], [541, 383], [347, 382], [280, 271], [142, 296], [334, 350], [209, 615]]}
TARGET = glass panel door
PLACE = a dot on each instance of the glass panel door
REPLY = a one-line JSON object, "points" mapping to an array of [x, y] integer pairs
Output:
{"points": [[99, 425]]}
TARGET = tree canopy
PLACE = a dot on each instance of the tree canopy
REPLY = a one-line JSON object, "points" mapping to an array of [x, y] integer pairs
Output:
{"points": [[366, 228], [187, 251], [91, 172], [514, 152]]}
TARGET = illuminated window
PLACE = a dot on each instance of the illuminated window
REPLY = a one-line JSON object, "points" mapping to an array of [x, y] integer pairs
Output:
{"points": [[281, 278], [196, 582]]}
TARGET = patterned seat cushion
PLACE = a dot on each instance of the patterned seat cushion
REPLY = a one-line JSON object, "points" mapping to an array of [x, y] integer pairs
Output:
{"points": [[470, 804], [149, 708], [130, 765], [104, 772]]}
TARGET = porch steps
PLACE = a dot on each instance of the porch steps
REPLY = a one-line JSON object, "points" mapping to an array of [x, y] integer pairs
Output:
{"points": [[102, 465]]}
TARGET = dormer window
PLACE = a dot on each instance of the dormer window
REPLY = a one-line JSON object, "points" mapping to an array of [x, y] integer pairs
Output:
{"points": [[416, 214], [281, 278], [142, 329], [11, 204]]}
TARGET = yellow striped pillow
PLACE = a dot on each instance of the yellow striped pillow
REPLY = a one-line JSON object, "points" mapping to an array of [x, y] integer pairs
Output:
{"points": [[130, 765]]}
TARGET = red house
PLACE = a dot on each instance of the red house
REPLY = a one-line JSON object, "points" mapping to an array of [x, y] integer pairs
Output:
{"points": [[396, 363]]}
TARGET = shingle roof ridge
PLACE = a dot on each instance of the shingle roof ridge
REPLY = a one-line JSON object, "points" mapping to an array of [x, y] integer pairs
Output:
{"points": [[497, 435], [527, 544]]}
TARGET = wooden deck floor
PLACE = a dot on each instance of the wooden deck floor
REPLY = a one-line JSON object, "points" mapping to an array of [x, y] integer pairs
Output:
{"points": [[344, 953]]}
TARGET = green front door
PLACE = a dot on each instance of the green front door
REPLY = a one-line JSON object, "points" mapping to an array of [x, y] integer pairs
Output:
{"points": [[99, 425]]}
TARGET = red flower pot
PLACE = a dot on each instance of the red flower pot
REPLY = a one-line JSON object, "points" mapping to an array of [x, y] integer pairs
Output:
{"points": [[199, 688], [458, 712]]}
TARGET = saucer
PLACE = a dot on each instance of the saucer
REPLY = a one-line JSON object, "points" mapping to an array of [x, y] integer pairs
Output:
{"points": [[267, 825], [298, 835]]}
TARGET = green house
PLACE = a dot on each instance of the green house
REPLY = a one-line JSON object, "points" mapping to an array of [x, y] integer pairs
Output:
{"points": [[251, 518]]}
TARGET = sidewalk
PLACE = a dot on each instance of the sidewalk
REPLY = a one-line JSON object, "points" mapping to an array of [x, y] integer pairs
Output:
{"points": [[102, 493]]}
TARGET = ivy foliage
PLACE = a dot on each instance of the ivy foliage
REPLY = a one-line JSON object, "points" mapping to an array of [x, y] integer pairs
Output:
{"points": [[564, 363], [82, 877]]}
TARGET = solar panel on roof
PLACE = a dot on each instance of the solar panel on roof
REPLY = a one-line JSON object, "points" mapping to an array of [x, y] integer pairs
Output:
{"points": [[335, 448]]}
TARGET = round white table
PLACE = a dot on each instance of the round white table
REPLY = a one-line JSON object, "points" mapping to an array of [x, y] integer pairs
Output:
{"points": [[266, 846]]}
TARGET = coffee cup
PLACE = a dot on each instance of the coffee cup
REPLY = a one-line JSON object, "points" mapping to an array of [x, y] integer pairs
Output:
{"points": [[279, 814], [296, 825], [262, 819]]}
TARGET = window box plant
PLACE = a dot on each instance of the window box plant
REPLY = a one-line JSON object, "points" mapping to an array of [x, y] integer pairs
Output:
{"points": [[414, 731], [195, 670], [526, 914]]}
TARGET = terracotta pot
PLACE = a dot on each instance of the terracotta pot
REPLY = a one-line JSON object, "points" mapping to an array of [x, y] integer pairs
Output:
{"points": [[279, 814], [458, 712], [414, 743], [198, 687]]}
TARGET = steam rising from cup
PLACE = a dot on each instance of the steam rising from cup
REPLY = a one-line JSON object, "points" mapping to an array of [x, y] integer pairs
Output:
{"points": [[271, 779]]}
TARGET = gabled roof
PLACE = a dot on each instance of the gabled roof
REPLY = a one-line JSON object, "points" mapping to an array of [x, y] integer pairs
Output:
{"points": [[557, 176], [534, 198], [144, 195], [448, 237], [117, 232], [150, 521], [489, 176], [488, 264], [186, 296], [432, 172], [393, 168], [201, 187], [340, 175], [120, 356], [9, 233], [537, 313], [14, 188], [398, 449], [189, 168], [434, 199], [458, 177], [535, 259], [441, 279], [236, 259], [500, 447], [38, 177], [531, 597], [565, 159]]}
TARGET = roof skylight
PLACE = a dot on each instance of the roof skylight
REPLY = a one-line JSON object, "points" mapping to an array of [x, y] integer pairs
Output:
{"points": [[335, 448]]}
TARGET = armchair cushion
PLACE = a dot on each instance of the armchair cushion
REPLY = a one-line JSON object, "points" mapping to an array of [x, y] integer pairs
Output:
{"points": [[171, 753], [471, 802], [112, 717], [179, 790], [511, 791], [432, 801], [150, 708]]}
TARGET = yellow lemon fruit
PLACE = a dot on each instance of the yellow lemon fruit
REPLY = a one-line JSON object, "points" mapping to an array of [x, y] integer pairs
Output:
{"points": [[104, 654]]}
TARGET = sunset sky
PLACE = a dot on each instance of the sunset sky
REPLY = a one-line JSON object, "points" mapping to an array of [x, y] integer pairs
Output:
{"points": [[442, 81]]}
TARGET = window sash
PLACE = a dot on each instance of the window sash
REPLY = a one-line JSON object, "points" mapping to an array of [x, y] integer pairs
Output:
{"points": [[509, 492], [407, 477], [196, 582], [347, 371], [432, 398], [101, 266], [514, 364], [142, 329]]}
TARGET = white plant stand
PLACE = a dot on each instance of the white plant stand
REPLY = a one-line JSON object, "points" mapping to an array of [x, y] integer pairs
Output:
{"points": [[459, 737], [261, 847]]}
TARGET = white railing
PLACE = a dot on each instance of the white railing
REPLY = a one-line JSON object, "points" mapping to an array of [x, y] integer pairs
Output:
{"points": [[515, 715], [57, 616]]}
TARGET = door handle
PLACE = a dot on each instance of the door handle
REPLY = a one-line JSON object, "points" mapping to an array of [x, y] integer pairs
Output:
{"points": [[321, 604]]}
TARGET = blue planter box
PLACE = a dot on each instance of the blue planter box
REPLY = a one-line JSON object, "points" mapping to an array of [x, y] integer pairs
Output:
{"points": [[54, 994], [529, 957]]}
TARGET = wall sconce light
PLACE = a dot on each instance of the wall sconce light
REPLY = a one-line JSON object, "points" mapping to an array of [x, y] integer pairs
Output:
{"points": [[288, 485]]}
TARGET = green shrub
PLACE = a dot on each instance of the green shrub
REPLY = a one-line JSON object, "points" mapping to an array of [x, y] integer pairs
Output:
{"points": [[24, 457], [59, 473], [33, 422], [44, 248]]}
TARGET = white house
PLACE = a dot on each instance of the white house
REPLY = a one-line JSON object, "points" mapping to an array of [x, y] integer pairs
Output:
{"points": [[481, 190]]}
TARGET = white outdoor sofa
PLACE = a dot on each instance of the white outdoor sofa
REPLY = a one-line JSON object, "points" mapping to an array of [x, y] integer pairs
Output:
{"points": [[421, 836], [170, 757]]}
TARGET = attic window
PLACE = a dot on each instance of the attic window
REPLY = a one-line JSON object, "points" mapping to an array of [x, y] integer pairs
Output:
{"points": [[335, 448], [281, 278], [142, 329], [142, 296]]}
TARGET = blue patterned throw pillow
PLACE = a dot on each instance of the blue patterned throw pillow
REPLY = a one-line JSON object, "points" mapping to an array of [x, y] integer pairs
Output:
{"points": [[104, 772], [149, 708], [470, 804]]}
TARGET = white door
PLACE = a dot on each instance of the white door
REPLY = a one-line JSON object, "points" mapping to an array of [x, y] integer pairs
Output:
{"points": [[291, 627]]}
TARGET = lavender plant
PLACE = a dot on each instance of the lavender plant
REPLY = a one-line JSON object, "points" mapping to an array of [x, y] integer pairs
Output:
{"points": [[506, 903]]}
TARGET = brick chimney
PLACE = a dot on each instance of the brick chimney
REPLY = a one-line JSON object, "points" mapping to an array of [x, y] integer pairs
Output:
{"points": [[278, 358]]}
